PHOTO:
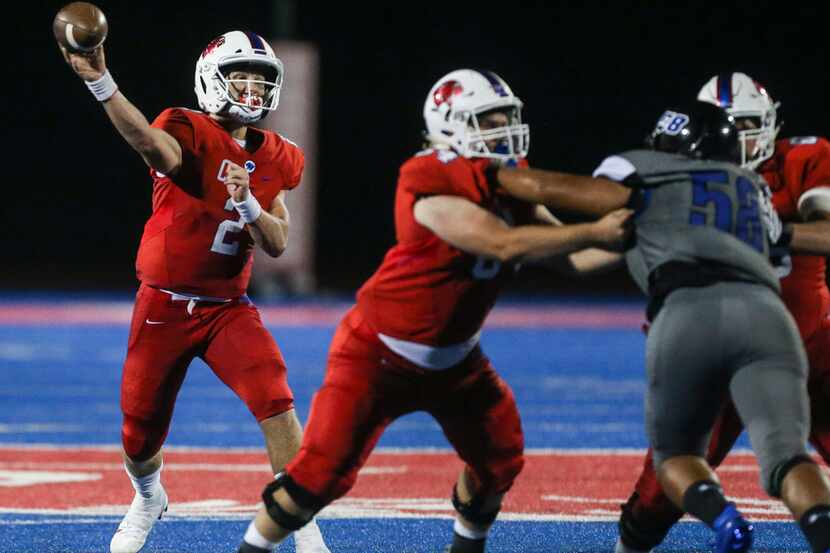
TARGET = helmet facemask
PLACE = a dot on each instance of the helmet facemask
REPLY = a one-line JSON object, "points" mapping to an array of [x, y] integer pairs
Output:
{"points": [[249, 99], [757, 142], [507, 142]]}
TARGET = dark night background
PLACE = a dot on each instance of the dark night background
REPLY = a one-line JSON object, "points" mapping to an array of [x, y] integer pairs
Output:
{"points": [[593, 76]]}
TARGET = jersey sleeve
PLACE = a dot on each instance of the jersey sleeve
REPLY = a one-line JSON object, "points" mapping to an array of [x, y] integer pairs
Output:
{"points": [[295, 165], [429, 176], [809, 171], [176, 123], [616, 168], [816, 168]]}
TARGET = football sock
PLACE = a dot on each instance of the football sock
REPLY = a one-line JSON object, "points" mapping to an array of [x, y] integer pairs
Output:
{"points": [[146, 485], [465, 540], [460, 544], [245, 547], [254, 539], [704, 500], [815, 524]]}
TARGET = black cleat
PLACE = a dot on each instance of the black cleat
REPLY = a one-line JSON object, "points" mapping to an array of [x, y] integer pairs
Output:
{"points": [[246, 547]]}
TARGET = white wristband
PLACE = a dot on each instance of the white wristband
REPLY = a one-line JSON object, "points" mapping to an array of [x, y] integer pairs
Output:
{"points": [[103, 88], [249, 209]]}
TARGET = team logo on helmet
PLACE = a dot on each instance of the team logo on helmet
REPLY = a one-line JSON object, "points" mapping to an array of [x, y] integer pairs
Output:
{"points": [[446, 92], [671, 123], [215, 43]]}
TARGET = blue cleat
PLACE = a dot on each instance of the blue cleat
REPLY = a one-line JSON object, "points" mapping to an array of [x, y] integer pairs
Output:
{"points": [[734, 533]]}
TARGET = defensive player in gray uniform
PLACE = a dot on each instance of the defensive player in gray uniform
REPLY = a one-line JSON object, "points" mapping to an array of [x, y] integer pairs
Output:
{"points": [[704, 231]]}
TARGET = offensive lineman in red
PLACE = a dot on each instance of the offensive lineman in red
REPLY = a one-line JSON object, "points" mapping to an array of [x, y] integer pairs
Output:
{"points": [[411, 342], [218, 190], [798, 172]]}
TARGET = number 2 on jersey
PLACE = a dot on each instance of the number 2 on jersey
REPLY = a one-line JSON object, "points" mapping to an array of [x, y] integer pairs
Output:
{"points": [[220, 243]]}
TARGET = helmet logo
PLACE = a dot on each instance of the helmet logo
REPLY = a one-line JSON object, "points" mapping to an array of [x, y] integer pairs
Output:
{"points": [[215, 43], [672, 123], [446, 92]]}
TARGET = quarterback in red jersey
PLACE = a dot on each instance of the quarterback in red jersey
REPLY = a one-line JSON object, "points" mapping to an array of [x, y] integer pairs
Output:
{"points": [[798, 172], [218, 190], [411, 341]]}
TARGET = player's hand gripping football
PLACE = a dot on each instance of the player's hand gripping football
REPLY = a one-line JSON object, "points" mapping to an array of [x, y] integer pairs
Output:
{"points": [[90, 66], [237, 182], [612, 230]]}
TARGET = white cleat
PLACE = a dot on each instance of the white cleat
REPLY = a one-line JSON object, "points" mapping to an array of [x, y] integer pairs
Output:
{"points": [[137, 523], [308, 539]]}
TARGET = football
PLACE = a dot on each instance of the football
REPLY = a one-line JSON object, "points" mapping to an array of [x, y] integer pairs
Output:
{"points": [[80, 27]]}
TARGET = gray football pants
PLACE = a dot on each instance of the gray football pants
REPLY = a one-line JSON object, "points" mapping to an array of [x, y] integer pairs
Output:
{"points": [[735, 338]]}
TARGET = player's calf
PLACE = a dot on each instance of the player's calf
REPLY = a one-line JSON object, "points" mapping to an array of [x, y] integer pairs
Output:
{"points": [[805, 490]]}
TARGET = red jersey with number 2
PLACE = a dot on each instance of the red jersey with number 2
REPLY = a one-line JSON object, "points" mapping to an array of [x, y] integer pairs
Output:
{"points": [[798, 165], [194, 242], [427, 291]]}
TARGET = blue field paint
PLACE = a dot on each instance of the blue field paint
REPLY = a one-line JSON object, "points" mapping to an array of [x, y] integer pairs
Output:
{"points": [[29, 535], [576, 388]]}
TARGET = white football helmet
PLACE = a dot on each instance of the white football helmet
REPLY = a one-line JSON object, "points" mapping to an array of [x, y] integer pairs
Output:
{"points": [[242, 51], [457, 101], [742, 97]]}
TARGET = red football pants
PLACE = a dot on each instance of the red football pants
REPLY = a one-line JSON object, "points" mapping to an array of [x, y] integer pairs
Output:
{"points": [[650, 505], [165, 336], [367, 386]]}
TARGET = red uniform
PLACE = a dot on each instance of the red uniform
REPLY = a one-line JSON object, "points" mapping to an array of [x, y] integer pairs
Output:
{"points": [[429, 301], [193, 241], [194, 245], [798, 165]]}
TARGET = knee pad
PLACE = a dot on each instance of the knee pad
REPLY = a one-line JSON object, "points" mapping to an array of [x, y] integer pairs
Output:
{"points": [[779, 472], [142, 438], [473, 510], [302, 498]]}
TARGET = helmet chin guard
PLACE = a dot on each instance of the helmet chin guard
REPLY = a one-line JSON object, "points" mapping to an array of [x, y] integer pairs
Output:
{"points": [[236, 98]]}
